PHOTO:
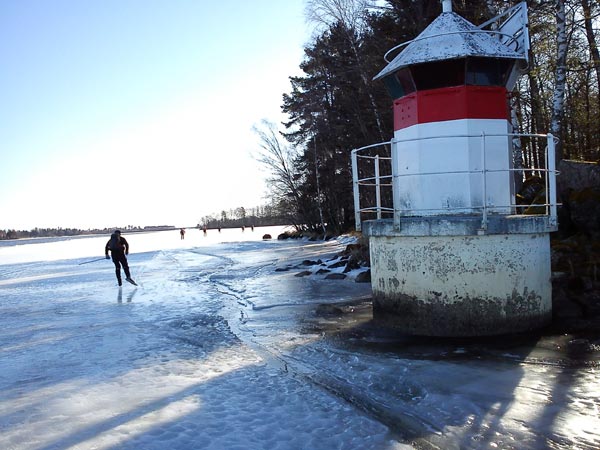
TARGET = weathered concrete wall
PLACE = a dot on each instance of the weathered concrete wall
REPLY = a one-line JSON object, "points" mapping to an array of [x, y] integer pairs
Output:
{"points": [[462, 285]]}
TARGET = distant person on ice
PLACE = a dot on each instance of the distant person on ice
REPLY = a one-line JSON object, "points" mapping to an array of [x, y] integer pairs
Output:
{"points": [[119, 248], [182, 233]]}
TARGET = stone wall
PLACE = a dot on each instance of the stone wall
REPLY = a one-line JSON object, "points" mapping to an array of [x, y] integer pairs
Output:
{"points": [[578, 187]]}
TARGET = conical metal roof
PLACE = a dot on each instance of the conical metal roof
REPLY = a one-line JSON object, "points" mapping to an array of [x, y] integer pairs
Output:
{"points": [[449, 37]]}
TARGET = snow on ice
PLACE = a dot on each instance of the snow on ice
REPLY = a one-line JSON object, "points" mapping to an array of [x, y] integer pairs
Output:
{"points": [[217, 350]]}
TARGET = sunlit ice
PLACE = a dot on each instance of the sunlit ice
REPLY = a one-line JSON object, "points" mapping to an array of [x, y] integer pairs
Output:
{"points": [[105, 412]]}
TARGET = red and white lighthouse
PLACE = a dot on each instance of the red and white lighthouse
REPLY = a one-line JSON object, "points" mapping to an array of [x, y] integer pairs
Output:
{"points": [[456, 260], [450, 84]]}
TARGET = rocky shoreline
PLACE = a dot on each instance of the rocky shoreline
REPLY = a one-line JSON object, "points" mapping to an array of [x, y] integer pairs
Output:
{"points": [[572, 339]]}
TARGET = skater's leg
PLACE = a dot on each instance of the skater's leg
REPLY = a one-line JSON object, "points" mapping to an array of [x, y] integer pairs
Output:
{"points": [[125, 265], [117, 268]]}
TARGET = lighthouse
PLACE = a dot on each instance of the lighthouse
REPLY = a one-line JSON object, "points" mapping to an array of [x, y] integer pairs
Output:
{"points": [[456, 258]]}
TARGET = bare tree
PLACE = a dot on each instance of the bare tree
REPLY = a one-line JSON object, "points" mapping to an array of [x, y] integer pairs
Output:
{"points": [[560, 75], [278, 158], [594, 53], [591, 38], [285, 182]]}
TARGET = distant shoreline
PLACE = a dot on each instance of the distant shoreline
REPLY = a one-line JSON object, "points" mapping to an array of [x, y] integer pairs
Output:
{"points": [[45, 233], [9, 235]]}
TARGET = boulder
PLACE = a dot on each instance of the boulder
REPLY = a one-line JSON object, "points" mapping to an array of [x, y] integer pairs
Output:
{"points": [[351, 249], [578, 188], [304, 273], [363, 277], [335, 276], [329, 310], [337, 264], [352, 264], [577, 175], [309, 262], [584, 206]]}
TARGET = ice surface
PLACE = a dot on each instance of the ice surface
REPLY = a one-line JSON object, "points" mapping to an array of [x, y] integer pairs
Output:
{"points": [[216, 349]]}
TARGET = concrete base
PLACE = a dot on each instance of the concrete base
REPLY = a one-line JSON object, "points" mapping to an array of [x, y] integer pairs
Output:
{"points": [[474, 285]]}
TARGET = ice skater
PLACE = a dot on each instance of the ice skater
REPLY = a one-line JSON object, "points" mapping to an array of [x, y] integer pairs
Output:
{"points": [[119, 249]]}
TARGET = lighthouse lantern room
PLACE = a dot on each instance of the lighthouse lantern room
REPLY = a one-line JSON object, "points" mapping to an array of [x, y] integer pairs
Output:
{"points": [[456, 259]]}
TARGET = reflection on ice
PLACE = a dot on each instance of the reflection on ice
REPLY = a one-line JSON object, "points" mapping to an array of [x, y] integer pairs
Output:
{"points": [[129, 297]]}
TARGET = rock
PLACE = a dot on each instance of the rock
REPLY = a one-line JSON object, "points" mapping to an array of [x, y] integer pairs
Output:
{"points": [[282, 269], [576, 284], [266, 237], [358, 251], [352, 264], [579, 346], [337, 264], [288, 235], [308, 262], [303, 273], [328, 310], [577, 175], [323, 271], [584, 206], [563, 308], [351, 249], [579, 190], [335, 276], [364, 277], [589, 301]]}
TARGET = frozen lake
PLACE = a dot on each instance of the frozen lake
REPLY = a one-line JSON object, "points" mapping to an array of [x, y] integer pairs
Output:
{"points": [[216, 349]]}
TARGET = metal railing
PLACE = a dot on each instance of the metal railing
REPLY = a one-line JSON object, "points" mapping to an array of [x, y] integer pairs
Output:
{"points": [[376, 190]]}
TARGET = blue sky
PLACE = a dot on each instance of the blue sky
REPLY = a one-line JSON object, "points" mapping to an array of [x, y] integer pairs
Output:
{"points": [[131, 112]]}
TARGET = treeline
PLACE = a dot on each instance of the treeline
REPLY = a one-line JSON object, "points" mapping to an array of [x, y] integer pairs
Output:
{"points": [[40, 232], [64, 232], [259, 216], [334, 106]]}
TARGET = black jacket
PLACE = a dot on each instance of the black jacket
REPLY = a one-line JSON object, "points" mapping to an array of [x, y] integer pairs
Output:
{"points": [[122, 246]]}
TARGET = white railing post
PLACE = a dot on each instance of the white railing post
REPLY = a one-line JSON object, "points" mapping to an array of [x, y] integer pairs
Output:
{"points": [[551, 179], [484, 220], [394, 156], [377, 186], [355, 189]]}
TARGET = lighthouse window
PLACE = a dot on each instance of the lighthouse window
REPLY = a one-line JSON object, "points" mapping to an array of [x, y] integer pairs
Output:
{"points": [[393, 86], [405, 78], [439, 74], [399, 83], [488, 71]]}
